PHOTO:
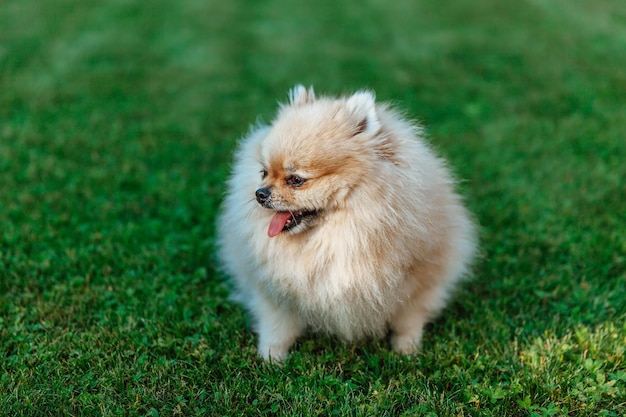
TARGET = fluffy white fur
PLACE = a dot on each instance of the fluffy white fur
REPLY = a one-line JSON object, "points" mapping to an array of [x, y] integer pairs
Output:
{"points": [[388, 244]]}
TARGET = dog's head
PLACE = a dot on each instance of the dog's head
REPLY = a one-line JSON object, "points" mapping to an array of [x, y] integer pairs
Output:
{"points": [[315, 153]]}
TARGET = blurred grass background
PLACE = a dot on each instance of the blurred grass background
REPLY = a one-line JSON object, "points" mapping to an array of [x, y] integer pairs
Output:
{"points": [[118, 121]]}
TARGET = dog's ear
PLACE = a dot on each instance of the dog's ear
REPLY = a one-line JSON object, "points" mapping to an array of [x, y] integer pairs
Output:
{"points": [[300, 95], [363, 106]]}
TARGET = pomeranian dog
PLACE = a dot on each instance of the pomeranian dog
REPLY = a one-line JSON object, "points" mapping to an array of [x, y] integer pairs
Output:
{"points": [[340, 219]]}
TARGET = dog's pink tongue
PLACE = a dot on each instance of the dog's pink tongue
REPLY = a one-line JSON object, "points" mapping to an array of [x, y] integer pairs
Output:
{"points": [[278, 223]]}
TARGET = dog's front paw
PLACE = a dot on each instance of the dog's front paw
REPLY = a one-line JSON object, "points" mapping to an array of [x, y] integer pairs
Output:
{"points": [[276, 353], [405, 344]]}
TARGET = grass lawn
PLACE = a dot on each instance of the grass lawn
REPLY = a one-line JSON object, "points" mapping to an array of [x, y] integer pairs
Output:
{"points": [[118, 121]]}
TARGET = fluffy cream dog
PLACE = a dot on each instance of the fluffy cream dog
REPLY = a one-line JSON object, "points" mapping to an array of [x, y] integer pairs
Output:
{"points": [[340, 219]]}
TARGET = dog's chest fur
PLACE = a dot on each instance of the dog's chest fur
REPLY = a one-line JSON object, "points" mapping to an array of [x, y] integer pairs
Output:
{"points": [[335, 286]]}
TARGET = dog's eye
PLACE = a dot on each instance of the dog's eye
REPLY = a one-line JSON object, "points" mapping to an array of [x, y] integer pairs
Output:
{"points": [[295, 181], [263, 173]]}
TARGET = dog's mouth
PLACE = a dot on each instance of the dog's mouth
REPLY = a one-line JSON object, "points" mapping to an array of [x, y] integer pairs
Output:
{"points": [[284, 221]]}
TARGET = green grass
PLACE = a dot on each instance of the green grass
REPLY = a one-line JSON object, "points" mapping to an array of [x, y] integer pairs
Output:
{"points": [[118, 120]]}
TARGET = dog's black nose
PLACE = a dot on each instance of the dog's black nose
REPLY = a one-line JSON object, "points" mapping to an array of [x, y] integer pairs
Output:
{"points": [[263, 195]]}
